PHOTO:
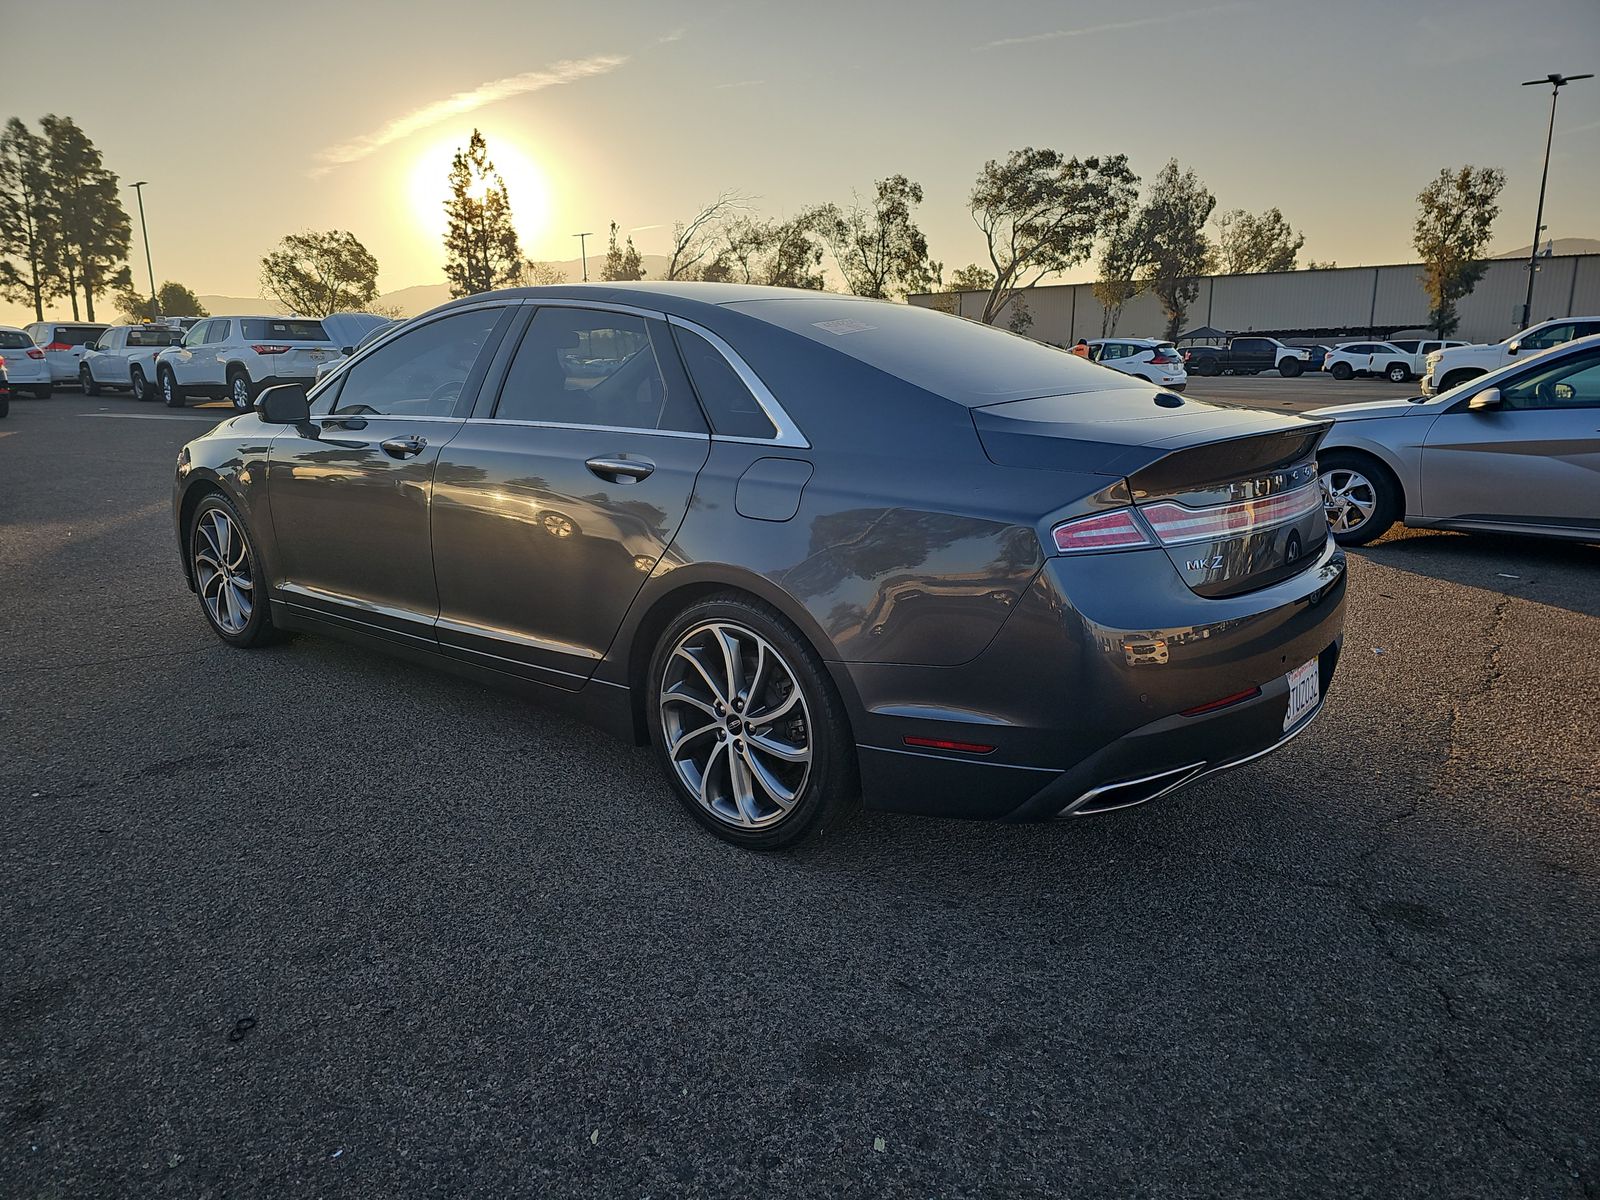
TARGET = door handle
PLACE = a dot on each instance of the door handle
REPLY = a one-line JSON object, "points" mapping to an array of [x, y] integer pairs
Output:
{"points": [[614, 470], [403, 447]]}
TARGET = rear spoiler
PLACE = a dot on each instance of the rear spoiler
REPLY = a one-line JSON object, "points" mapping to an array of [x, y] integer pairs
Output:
{"points": [[1210, 463]]}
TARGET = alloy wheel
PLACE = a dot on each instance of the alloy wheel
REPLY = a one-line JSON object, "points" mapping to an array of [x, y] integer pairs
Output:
{"points": [[736, 726], [1349, 498], [222, 571], [241, 392]]}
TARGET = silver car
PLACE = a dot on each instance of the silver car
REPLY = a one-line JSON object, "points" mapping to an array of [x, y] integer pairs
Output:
{"points": [[1515, 451]]}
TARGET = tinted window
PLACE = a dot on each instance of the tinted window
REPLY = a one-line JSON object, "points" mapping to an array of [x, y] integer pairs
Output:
{"points": [[288, 330], [732, 408], [968, 362], [217, 331], [77, 335], [14, 339], [579, 366], [1252, 345], [154, 337], [1574, 383], [1408, 347], [420, 373], [1554, 335]]}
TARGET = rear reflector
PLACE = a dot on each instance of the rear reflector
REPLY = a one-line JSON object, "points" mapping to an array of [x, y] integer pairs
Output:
{"points": [[270, 349], [1175, 524], [940, 744], [1213, 705], [1116, 530]]}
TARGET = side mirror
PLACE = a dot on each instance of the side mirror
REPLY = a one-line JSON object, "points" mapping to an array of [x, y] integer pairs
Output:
{"points": [[347, 351], [1513, 347], [1485, 401], [286, 404]]}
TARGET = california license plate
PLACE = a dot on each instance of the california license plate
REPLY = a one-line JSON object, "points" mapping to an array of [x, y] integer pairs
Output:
{"points": [[1305, 691]]}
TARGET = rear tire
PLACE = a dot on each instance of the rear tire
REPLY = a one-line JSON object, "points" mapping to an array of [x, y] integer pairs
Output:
{"points": [[171, 393], [240, 390], [227, 575], [1290, 368], [138, 384], [728, 768], [5, 405], [1397, 373], [1208, 367], [1360, 496], [1342, 371], [86, 381]]}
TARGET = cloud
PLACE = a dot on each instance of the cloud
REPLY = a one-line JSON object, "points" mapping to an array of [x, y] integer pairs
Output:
{"points": [[642, 228], [1109, 27], [675, 36], [743, 83], [567, 71]]}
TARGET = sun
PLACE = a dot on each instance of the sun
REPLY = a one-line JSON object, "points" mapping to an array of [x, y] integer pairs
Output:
{"points": [[526, 184]]}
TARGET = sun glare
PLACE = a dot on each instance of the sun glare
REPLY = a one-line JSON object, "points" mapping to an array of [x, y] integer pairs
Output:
{"points": [[525, 182]]}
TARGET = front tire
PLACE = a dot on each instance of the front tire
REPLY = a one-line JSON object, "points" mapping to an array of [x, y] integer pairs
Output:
{"points": [[1360, 496], [171, 393], [86, 381], [138, 384], [1290, 368], [1457, 378], [1397, 373], [748, 726], [240, 390], [227, 574]]}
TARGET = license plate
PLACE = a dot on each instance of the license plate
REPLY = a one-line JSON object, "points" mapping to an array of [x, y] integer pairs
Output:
{"points": [[318, 355], [1305, 690]]}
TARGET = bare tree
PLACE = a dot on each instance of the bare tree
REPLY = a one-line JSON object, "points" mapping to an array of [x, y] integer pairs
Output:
{"points": [[693, 241]]}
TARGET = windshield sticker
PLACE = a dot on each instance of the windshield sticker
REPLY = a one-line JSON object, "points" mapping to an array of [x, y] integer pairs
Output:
{"points": [[842, 327]]}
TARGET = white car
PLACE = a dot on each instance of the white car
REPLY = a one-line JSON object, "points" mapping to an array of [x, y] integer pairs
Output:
{"points": [[124, 358], [1349, 359], [63, 343], [235, 357], [1449, 368], [25, 362], [1157, 361]]}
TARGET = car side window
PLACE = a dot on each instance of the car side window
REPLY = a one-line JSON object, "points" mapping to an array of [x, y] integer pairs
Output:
{"points": [[196, 334], [420, 373], [733, 409], [580, 366], [1574, 383], [1554, 335], [218, 332]]}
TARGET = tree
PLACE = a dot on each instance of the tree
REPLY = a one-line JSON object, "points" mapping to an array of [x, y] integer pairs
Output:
{"points": [[480, 243], [622, 262], [29, 225], [879, 249], [1120, 263], [1314, 265], [314, 274], [1457, 212], [175, 300], [1171, 229], [93, 227], [771, 253], [1041, 212], [971, 278], [694, 241], [540, 274], [1248, 245]]}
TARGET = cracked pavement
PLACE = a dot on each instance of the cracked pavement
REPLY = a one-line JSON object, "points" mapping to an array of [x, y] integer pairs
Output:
{"points": [[485, 953]]}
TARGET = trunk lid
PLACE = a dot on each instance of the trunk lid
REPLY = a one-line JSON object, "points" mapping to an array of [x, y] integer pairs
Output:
{"points": [[1230, 495]]}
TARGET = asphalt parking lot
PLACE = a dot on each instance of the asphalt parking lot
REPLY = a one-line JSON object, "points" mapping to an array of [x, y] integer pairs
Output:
{"points": [[309, 921]]}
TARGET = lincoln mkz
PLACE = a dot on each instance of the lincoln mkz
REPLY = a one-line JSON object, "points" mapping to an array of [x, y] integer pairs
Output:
{"points": [[811, 548]]}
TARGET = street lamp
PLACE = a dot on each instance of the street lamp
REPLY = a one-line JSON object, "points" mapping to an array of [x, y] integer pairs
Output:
{"points": [[583, 249], [155, 301], [1556, 82]]}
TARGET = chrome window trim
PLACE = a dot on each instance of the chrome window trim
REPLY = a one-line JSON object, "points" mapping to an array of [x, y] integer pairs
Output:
{"points": [[788, 433], [345, 363], [631, 310], [677, 433]]}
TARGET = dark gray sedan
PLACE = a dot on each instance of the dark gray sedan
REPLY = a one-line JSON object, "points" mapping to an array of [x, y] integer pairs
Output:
{"points": [[810, 547]]}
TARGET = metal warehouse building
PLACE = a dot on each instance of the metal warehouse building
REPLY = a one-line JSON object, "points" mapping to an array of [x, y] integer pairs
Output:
{"points": [[1322, 304]]}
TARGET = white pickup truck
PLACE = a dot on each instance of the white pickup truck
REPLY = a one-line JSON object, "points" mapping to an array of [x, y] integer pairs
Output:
{"points": [[1448, 368]]}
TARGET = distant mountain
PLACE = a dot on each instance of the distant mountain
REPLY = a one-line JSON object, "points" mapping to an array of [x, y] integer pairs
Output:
{"points": [[1562, 246], [419, 298]]}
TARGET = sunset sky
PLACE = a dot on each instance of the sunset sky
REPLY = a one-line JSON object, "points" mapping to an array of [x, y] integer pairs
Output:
{"points": [[251, 121]]}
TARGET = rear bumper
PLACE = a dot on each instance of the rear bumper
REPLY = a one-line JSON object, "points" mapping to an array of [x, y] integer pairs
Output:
{"points": [[1082, 692]]}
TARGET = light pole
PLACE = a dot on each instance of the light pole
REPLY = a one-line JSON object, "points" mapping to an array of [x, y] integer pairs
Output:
{"points": [[155, 301], [583, 249], [1556, 82]]}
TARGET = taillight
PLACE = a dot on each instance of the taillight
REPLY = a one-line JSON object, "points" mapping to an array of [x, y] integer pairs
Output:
{"points": [[1115, 530], [60, 346], [1174, 524], [1162, 358], [35, 352], [270, 349]]}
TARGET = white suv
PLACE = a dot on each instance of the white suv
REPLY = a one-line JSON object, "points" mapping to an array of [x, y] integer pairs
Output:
{"points": [[24, 363], [1147, 358], [1448, 368], [125, 359], [235, 357], [63, 343]]}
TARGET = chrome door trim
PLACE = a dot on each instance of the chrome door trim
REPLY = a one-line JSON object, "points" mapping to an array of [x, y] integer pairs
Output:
{"points": [[677, 433], [788, 433], [507, 637]]}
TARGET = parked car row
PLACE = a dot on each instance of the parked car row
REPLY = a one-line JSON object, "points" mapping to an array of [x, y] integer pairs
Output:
{"points": [[1397, 362]]}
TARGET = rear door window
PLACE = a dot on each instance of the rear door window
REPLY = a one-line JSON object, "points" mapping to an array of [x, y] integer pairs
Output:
{"points": [[217, 332]]}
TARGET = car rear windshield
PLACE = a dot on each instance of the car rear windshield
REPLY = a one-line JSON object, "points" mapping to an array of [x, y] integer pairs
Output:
{"points": [[14, 339], [154, 337], [77, 335], [965, 361], [285, 331]]}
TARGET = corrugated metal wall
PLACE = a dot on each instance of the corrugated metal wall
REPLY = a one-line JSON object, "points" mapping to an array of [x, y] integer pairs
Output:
{"points": [[1344, 298]]}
